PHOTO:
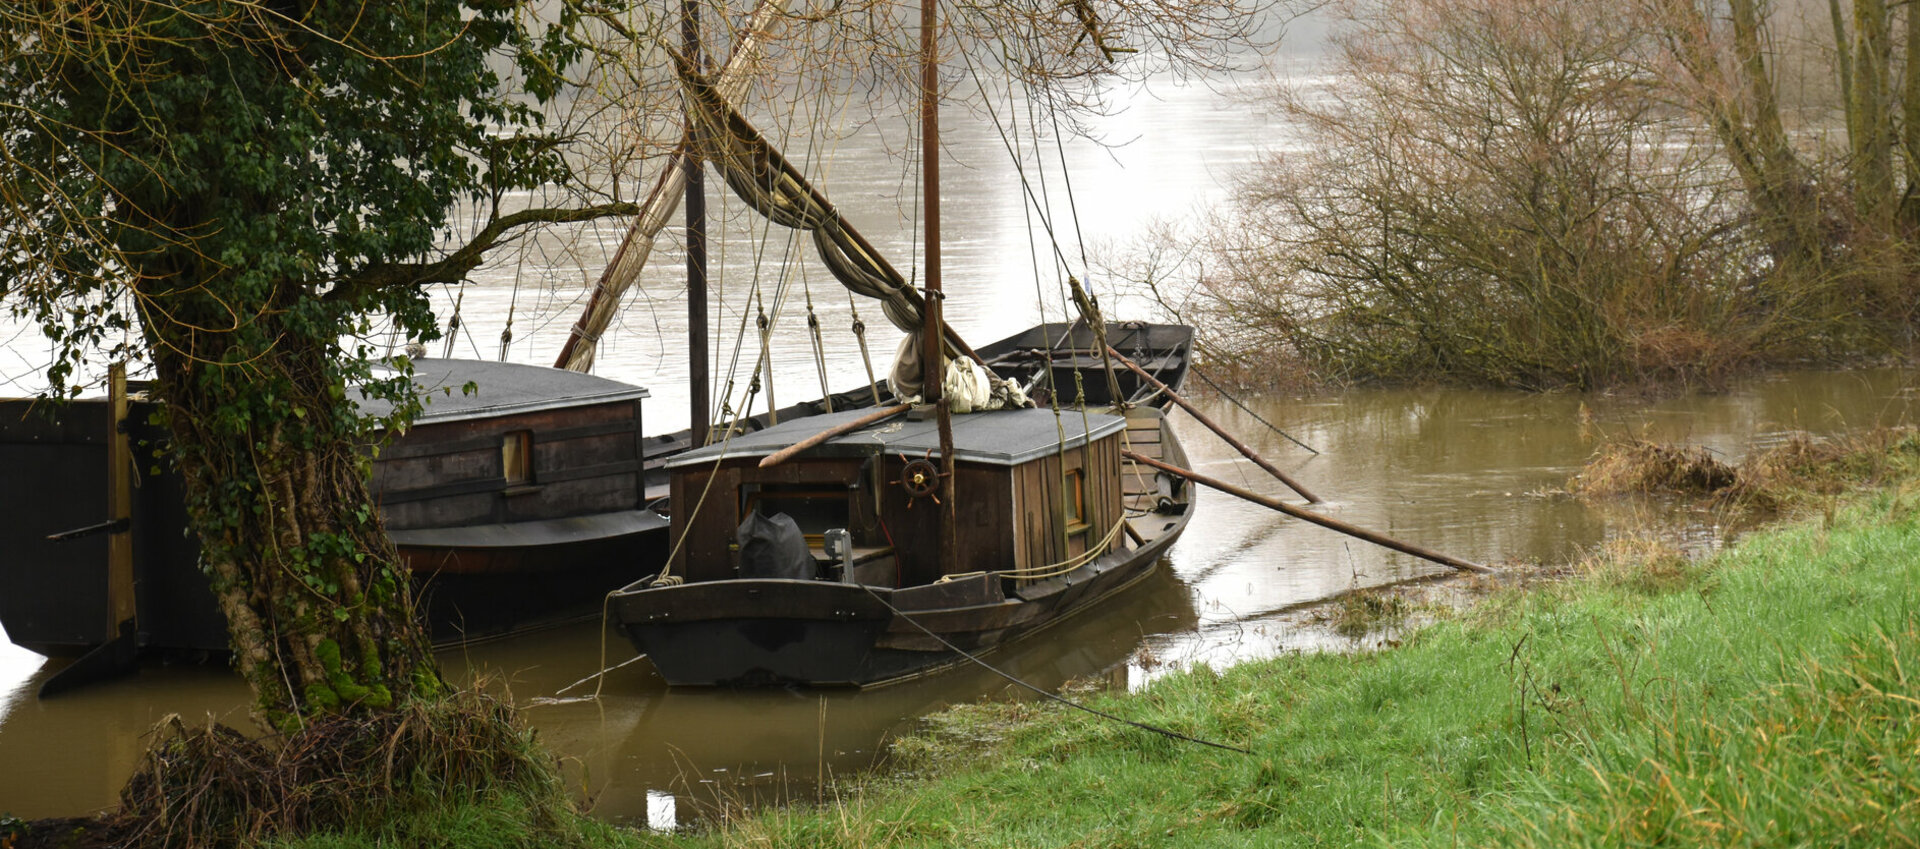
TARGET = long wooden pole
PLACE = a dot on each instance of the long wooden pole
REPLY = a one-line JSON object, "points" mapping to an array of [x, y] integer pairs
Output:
{"points": [[1217, 430], [932, 352], [933, 355], [784, 454], [1309, 516], [698, 379], [122, 606]]}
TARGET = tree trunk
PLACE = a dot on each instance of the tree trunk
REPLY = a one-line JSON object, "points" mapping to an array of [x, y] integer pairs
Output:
{"points": [[1870, 117], [1776, 177], [276, 475], [1910, 122]]}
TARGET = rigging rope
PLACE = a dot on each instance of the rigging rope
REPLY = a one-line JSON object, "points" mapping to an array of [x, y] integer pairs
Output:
{"points": [[770, 184], [1256, 416], [866, 359], [453, 324], [975, 660], [506, 333], [765, 368], [819, 349]]}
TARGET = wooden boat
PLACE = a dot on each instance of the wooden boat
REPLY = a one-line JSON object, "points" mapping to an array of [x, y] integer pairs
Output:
{"points": [[517, 505], [817, 550], [848, 588]]}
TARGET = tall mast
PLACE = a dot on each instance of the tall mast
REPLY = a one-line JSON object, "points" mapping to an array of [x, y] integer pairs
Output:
{"points": [[930, 337], [696, 214], [933, 336]]}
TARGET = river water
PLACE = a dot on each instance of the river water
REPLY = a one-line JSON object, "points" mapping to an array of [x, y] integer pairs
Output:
{"points": [[1472, 473]]}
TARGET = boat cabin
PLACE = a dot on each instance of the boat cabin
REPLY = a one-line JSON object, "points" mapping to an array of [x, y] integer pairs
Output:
{"points": [[528, 452], [1035, 488], [515, 503]]}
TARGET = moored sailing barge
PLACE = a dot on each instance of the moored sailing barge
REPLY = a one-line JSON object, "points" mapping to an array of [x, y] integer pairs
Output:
{"points": [[823, 569]]}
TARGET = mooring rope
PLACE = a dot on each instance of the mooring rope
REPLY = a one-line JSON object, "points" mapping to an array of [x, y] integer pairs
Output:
{"points": [[1165, 732], [1256, 416], [1050, 570]]}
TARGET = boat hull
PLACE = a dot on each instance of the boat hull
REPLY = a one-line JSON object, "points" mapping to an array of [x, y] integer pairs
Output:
{"points": [[760, 632]]}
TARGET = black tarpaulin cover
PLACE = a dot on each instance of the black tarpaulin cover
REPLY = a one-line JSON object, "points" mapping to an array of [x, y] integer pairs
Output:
{"points": [[773, 547]]}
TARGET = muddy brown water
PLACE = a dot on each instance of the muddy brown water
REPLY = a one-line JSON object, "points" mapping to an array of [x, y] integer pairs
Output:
{"points": [[1473, 473]]}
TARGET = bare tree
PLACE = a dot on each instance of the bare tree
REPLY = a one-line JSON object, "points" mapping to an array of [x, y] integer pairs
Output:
{"points": [[1492, 191]]}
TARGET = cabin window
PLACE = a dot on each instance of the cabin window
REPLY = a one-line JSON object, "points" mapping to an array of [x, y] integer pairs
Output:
{"points": [[516, 457], [814, 508], [1074, 497]]}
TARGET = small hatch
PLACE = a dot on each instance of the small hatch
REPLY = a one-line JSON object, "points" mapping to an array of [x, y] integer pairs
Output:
{"points": [[516, 457], [1074, 499]]}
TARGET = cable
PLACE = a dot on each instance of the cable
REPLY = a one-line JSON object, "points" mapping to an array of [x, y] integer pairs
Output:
{"points": [[1256, 416], [1165, 732]]}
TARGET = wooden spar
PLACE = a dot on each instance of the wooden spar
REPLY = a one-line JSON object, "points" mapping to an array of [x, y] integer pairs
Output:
{"points": [[117, 653], [662, 200], [787, 453], [1217, 430], [1309, 516], [120, 585], [698, 400], [933, 356]]}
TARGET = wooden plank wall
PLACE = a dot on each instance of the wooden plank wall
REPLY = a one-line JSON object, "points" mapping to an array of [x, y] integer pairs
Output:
{"points": [[707, 553], [910, 526], [1009, 517], [449, 474], [1040, 511], [1144, 436]]}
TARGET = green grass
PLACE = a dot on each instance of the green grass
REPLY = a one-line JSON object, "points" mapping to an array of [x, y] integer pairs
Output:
{"points": [[1764, 697], [501, 821], [1761, 698]]}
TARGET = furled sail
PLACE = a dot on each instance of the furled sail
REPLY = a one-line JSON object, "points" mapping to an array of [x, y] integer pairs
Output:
{"points": [[766, 181], [619, 275]]}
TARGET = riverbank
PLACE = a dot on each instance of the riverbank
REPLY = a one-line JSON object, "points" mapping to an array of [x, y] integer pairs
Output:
{"points": [[1758, 696], [1762, 696]]}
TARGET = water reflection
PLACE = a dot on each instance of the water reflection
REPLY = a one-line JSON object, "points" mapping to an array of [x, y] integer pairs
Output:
{"points": [[715, 749]]}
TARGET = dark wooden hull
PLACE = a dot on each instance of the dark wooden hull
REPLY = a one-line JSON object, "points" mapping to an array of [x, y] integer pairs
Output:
{"points": [[51, 604], [816, 633], [472, 592], [490, 553]]}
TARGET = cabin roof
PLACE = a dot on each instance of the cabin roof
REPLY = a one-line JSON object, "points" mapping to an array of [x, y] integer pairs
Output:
{"points": [[503, 389], [1000, 437]]}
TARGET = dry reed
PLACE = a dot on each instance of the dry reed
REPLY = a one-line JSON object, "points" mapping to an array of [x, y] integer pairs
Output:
{"points": [[213, 786]]}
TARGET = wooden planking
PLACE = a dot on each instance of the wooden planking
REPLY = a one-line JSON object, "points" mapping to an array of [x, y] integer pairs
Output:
{"points": [[1145, 435], [449, 473]]}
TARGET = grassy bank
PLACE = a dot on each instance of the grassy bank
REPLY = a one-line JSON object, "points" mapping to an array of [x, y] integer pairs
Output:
{"points": [[1762, 697]]}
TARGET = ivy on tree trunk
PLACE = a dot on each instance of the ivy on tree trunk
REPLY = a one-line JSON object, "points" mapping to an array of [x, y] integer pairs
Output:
{"points": [[243, 192], [318, 605]]}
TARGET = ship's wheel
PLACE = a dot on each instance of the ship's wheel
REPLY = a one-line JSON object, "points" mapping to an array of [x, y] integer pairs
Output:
{"points": [[920, 478]]}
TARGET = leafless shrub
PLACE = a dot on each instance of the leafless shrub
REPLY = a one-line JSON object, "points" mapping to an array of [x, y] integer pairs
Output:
{"points": [[1493, 191]]}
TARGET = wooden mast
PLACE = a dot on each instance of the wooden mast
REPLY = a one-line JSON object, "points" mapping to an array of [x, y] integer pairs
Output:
{"points": [[932, 353], [698, 379]]}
